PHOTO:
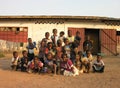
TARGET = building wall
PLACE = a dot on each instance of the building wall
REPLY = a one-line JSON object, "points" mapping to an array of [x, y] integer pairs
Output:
{"points": [[37, 28]]}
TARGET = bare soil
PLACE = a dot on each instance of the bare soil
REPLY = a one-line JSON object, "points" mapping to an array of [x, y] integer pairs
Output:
{"points": [[16, 79]]}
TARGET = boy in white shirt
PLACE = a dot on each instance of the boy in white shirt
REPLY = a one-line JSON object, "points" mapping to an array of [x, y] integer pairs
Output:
{"points": [[98, 65], [15, 61]]}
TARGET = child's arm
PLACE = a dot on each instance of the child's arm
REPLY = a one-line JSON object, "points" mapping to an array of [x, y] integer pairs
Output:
{"points": [[13, 60]]}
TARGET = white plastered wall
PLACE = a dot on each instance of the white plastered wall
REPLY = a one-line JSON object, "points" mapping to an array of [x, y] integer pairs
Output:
{"points": [[37, 31]]}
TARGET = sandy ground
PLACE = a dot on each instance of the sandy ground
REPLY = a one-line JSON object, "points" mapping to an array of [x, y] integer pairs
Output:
{"points": [[16, 79]]}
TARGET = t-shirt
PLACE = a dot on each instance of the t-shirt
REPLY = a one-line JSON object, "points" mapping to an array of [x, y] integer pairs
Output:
{"points": [[67, 50], [49, 62], [24, 60], [100, 63], [32, 65], [71, 39], [59, 52], [15, 60], [88, 44], [67, 65], [54, 39], [46, 40], [31, 47]]}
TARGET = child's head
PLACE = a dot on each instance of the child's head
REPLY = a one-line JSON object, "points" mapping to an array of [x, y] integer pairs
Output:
{"points": [[88, 53], [36, 59], [15, 54], [55, 31], [24, 53], [62, 33], [50, 45], [59, 42], [49, 56], [69, 33], [77, 33], [47, 34], [78, 57], [66, 41], [64, 57], [42, 44], [99, 57], [76, 50], [30, 40]]}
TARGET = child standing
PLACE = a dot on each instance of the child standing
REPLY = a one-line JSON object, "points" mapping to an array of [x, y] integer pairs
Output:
{"points": [[98, 65], [15, 61], [86, 62], [70, 36], [42, 51], [62, 37], [58, 54], [54, 37], [77, 38], [67, 48], [30, 48], [78, 61], [87, 44], [74, 53], [47, 39]]}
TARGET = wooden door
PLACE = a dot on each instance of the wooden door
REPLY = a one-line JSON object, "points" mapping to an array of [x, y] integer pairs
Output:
{"points": [[81, 30], [108, 41]]}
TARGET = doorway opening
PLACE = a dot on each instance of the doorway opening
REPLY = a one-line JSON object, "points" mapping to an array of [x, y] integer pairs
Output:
{"points": [[94, 37]]}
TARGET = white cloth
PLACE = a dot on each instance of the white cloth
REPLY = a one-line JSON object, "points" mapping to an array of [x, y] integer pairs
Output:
{"points": [[98, 65], [74, 73], [15, 61], [31, 51]]}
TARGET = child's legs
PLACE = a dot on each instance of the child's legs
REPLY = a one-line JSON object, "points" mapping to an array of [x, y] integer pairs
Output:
{"points": [[58, 67], [102, 69], [73, 61], [23, 68], [14, 67], [38, 69], [55, 68], [30, 69], [94, 70], [88, 67]]}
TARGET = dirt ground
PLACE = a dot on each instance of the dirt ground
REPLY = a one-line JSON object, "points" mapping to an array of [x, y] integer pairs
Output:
{"points": [[16, 79]]}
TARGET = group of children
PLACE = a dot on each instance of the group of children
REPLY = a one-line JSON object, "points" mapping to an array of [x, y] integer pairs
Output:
{"points": [[58, 55]]}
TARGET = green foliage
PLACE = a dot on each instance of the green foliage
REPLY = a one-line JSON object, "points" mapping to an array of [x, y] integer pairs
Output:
{"points": [[2, 55]]}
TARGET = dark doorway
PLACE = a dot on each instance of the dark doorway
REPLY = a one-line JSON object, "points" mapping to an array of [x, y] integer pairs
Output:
{"points": [[94, 37]]}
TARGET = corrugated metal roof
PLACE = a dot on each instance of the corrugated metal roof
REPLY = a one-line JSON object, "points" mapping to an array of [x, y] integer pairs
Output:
{"points": [[62, 17]]}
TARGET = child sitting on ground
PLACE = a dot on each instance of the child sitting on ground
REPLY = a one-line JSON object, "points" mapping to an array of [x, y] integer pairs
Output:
{"points": [[50, 64], [98, 65], [15, 61], [86, 62], [67, 68], [24, 61], [35, 65]]}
